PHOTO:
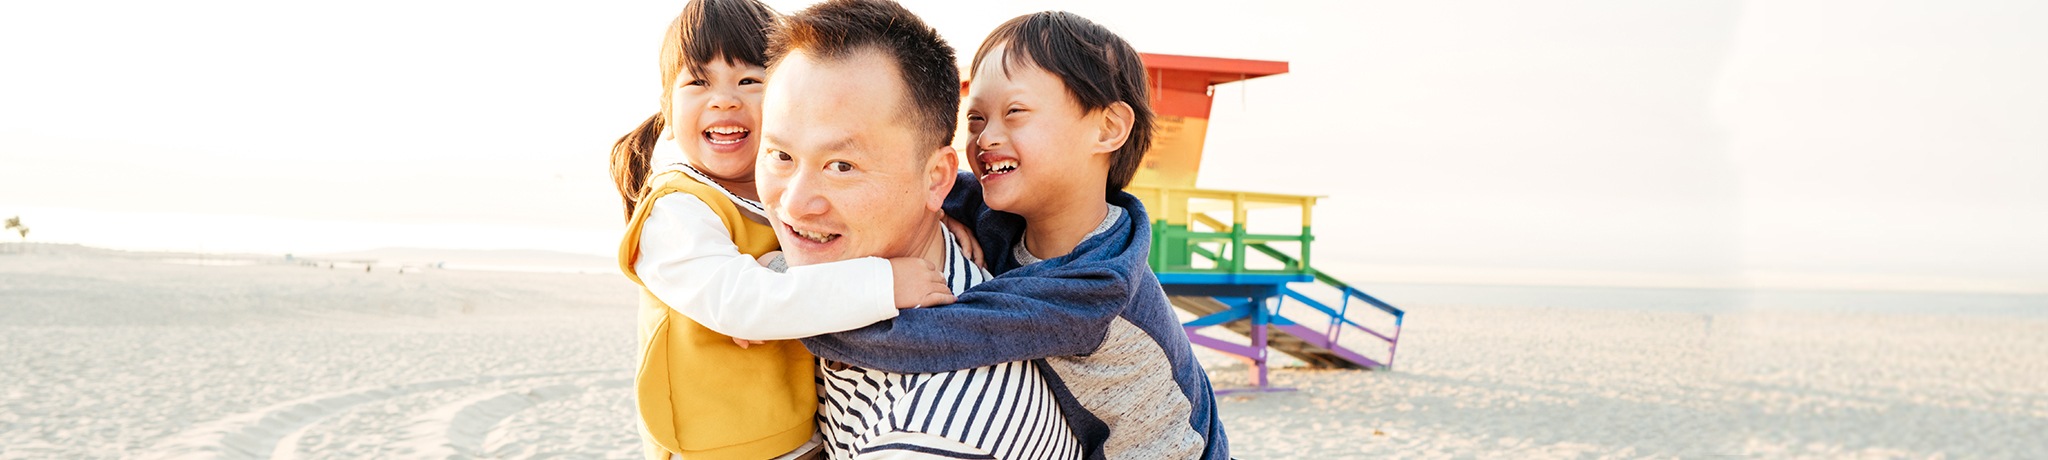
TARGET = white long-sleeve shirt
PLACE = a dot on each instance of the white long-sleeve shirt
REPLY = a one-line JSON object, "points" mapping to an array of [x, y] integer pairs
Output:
{"points": [[688, 260]]}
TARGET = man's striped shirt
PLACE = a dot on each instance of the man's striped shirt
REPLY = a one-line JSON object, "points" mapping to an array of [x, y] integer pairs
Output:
{"points": [[1003, 411]]}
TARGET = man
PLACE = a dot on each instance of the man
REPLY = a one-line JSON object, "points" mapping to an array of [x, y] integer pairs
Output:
{"points": [[859, 115], [1057, 123]]}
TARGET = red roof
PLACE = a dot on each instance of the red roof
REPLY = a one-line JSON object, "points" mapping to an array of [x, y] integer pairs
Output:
{"points": [[1219, 70]]}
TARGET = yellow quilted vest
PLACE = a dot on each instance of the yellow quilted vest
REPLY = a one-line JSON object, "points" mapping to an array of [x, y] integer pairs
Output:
{"points": [[699, 395]]}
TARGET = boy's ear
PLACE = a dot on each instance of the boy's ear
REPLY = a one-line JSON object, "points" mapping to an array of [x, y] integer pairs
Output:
{"points": [[940, 171], [1115, 128]]}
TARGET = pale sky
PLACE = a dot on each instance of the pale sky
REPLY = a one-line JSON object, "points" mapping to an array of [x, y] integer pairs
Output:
{"points": [[1781, 143]]}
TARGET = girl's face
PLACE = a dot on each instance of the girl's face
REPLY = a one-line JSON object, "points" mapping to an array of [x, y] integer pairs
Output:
{"points": [[1028, 140], [714, 116]]}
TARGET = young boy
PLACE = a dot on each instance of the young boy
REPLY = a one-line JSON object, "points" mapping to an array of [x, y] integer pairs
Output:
{"points": [[1058, 121]]}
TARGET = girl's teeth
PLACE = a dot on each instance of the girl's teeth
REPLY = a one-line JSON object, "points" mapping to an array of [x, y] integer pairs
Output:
{"points": [[725, 135]]}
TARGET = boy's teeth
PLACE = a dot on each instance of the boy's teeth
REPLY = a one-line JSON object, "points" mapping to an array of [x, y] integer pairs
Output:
{"points": [[1002, 167]]}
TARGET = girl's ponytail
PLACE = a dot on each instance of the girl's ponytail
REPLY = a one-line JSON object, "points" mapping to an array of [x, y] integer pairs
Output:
{"points": [[632, 156]]}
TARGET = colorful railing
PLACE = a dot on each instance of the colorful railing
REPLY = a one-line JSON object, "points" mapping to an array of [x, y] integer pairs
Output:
{"points": [[1240, 280], [1180, 245]]}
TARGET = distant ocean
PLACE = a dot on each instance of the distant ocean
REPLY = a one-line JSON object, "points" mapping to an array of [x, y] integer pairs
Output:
{"points": [[244, 234], [1420, 296], [588, 250]]}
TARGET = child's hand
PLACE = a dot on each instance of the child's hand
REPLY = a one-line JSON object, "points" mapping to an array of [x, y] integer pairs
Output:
{"points": [[743, 343], [967, 241], [918, 283]]}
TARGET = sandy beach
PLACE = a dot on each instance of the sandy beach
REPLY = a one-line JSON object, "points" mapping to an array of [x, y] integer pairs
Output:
{"points": [[108, 354]]}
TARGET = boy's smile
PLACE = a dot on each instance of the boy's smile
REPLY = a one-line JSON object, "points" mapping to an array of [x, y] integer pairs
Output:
{"points": [[995, 165], [1019, 112]]}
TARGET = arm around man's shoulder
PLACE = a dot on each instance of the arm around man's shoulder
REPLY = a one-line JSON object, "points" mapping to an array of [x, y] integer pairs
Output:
{"points": [[1061, 307], [687, 260], [1030, 313]]}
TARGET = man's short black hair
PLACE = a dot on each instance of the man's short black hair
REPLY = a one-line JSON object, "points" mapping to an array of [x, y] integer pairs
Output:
{"points": [[1098, 68], [839, 28]]}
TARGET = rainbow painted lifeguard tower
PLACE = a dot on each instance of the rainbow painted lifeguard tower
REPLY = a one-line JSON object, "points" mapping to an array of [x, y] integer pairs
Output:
{"points": [[1241, 260]]}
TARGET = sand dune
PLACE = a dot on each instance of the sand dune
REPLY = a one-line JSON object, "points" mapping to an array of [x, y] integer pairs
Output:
{"points": [[111, 354]]}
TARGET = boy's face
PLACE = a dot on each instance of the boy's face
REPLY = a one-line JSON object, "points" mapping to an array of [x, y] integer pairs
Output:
{"points": [[1028, 139], [840, 168], [714, 115]]}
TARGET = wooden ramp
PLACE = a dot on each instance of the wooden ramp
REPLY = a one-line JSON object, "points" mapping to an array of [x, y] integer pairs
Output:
{"points": [[1311, 318], [1316, 356]]}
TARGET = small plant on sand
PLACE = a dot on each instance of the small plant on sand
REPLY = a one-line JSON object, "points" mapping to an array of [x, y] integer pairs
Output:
{"points": [[14, 224]]}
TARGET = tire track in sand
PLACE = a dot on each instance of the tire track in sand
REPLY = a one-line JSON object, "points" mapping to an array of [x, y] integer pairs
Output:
{"points": [[458, 429], [273, 431]]}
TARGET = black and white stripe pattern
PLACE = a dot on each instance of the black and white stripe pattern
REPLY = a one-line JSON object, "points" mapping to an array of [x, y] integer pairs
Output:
{"points": [[1003, 411], [744, 204]]}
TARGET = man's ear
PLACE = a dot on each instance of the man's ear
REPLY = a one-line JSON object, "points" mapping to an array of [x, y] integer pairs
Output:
{"points": [[1115, 127], [940, 171]]}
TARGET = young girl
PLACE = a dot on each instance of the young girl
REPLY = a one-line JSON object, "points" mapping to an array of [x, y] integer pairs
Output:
{"points": [[693, 232]]}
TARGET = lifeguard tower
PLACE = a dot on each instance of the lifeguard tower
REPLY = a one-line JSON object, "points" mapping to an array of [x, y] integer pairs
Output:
{"points": [[1241, 260]]}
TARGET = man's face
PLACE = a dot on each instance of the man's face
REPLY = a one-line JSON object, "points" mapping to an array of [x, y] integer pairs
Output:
{"points": [[843, 168]]}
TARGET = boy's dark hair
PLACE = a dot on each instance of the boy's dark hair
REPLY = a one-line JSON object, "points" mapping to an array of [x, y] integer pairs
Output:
{"points": [[733, 30], [1098, 67], [838, 28]]}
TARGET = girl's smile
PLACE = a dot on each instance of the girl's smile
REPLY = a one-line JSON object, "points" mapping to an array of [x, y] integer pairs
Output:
{"points": [[727, 138], [716, 108]]}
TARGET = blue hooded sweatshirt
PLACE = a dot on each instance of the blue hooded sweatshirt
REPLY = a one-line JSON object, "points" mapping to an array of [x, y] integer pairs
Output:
{"points": [[1095, 320]]}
